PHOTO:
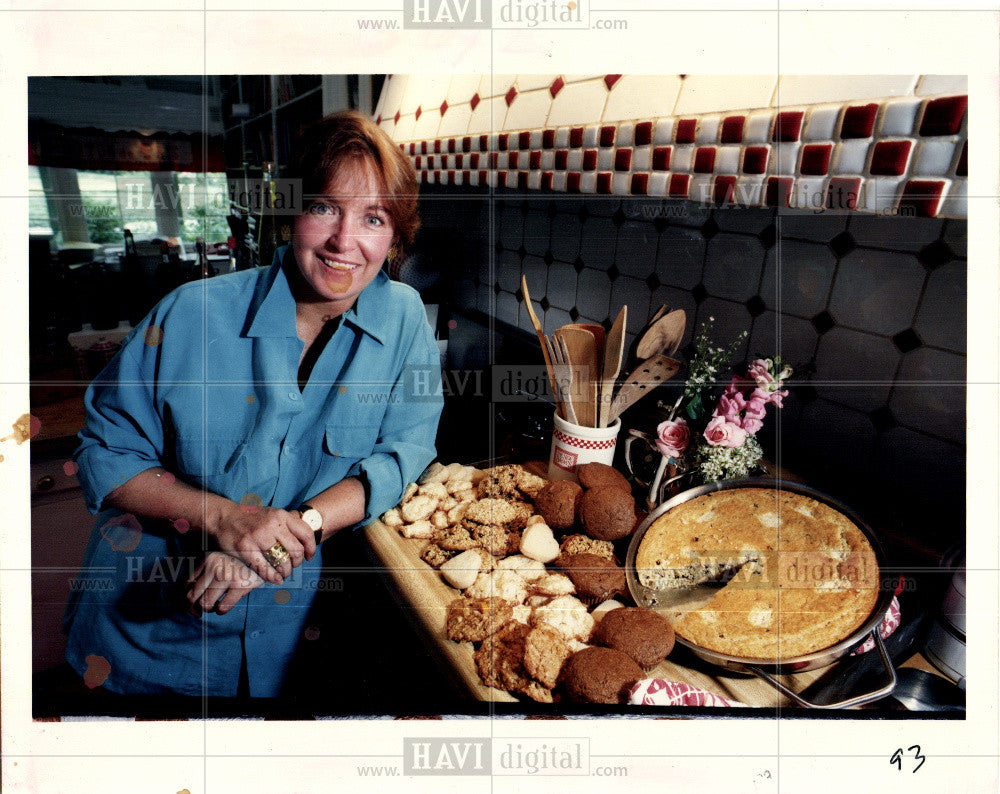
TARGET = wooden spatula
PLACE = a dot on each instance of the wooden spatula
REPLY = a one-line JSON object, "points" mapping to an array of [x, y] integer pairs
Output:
{"points": [[541, 336], [646, 377], [614, 347], [582, 349]]}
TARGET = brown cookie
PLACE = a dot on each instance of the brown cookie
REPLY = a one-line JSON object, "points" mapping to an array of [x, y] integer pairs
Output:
{"points": [[491, 512], [599, 675], [500, 482], [595, 578], [557, 503], [598, 475], [545, 652], [607, 513], [645, 636], [456, 539], [475, 619], [435, 556], [500, 659]]}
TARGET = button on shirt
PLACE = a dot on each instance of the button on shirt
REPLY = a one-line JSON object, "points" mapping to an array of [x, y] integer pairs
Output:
{"points": [[214, 398]]}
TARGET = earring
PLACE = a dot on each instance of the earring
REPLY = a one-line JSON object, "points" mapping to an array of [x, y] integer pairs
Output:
{"points": [[392, 253]]}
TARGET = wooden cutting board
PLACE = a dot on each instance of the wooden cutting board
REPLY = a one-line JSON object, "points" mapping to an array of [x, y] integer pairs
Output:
{"points": [[426, 596]]}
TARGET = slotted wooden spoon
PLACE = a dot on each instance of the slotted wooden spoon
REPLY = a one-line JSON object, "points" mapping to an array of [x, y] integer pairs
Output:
{"points": [[646, 377]]}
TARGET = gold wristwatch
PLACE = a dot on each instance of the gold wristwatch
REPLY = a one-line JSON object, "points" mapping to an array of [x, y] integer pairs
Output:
{"points": [[314, 519]]}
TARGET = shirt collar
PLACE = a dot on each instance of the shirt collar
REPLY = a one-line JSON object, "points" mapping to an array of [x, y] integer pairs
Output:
{"points": [[272, 311]]}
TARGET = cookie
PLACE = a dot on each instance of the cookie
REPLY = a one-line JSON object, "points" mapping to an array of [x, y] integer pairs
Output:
{"points": [[500, 482], [491, 512], [645, 636], [545, 651], [461, 571], [607, 513], [475, 619], [598, 475], [435, 556], [567, 615], [492, 539], [599, 675], [552, 585], [456, 538], [504, 584], [595, 578], [500, 659], [557, 503], [581, 544]]}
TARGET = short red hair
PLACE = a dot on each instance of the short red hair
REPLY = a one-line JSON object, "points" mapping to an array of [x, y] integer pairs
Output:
{"points": [[325, 144]]}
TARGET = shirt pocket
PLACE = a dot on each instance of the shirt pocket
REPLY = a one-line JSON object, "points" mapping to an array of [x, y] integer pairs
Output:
{"points": [[349, 442]]}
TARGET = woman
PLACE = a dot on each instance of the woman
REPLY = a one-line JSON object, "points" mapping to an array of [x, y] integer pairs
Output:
{"points": [[251, 416]]}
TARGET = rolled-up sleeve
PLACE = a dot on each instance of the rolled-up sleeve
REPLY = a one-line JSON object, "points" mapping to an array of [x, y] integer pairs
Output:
{"points": [[405, 444], [123, 435]]}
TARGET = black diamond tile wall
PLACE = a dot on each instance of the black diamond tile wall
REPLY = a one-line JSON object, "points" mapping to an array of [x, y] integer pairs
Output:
{"points": [[834, 294]]}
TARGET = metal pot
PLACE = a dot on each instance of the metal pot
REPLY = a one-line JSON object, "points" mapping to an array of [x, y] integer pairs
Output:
{"points": [[766, 669]]}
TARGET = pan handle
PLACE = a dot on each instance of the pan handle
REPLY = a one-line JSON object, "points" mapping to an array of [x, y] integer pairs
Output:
{"points": [[867, 697]]}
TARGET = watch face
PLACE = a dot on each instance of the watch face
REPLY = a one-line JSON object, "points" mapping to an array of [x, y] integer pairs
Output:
{"points": [[313, 518]]}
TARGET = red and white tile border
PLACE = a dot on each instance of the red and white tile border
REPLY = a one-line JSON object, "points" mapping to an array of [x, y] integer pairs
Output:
{"points": [[905, 154]]}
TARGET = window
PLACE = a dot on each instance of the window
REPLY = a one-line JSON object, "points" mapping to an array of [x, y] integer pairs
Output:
{"points": [[149, 203]]}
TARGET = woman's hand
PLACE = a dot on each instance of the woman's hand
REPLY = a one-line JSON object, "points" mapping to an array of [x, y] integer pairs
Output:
{"points": [[248, 532], [220, 582]]}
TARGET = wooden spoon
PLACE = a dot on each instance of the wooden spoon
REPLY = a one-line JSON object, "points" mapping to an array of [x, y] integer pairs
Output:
{"points": [[614, 348], [649, 374], [663, 336], [581, 347]]}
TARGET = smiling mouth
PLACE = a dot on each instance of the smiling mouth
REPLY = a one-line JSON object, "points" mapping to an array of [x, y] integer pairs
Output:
{"points": [[334, 264]]}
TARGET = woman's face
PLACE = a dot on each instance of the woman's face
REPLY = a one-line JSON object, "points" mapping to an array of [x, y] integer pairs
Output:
{"points": [[341, 240]]}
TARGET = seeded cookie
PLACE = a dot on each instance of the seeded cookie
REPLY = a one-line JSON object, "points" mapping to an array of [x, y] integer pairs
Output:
{"points": [[581, 544], [545, 651], [500, 659], [474, 619], [456, 538], [500, 482], [491, 512], [435, 556], [492, 539]]}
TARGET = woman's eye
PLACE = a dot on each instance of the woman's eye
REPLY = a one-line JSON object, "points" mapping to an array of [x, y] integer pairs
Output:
{"points": [[319, 208], [375, 220]]}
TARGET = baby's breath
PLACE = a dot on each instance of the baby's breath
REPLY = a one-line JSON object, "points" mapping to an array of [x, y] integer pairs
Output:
{"points": [[722, 463]]}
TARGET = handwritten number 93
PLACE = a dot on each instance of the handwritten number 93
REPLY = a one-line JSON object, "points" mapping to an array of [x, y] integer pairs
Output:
{"points": [[897, 757]]}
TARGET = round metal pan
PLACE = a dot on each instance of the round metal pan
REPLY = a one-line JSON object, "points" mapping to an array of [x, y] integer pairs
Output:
{"points": [[766, 668]]}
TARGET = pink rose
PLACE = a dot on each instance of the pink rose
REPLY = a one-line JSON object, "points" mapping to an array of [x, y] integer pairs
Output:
{"points": [[760, 371], [672, 437], [721, 433]]}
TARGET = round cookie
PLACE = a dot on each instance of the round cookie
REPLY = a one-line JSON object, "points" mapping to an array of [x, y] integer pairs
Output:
{"points": [[595, 578], [645, 636], [596, 475], [607, 513], [599, 675], [557, 503]]}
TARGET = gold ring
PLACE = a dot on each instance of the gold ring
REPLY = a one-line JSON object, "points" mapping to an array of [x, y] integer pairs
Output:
{"points": [[276, 556]]}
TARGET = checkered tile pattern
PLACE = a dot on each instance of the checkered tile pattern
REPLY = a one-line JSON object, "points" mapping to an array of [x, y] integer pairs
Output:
{"points": [[906, 156]]}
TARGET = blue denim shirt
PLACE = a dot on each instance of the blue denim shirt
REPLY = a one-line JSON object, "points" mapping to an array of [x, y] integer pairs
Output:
{"points": [[207, 387]]}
